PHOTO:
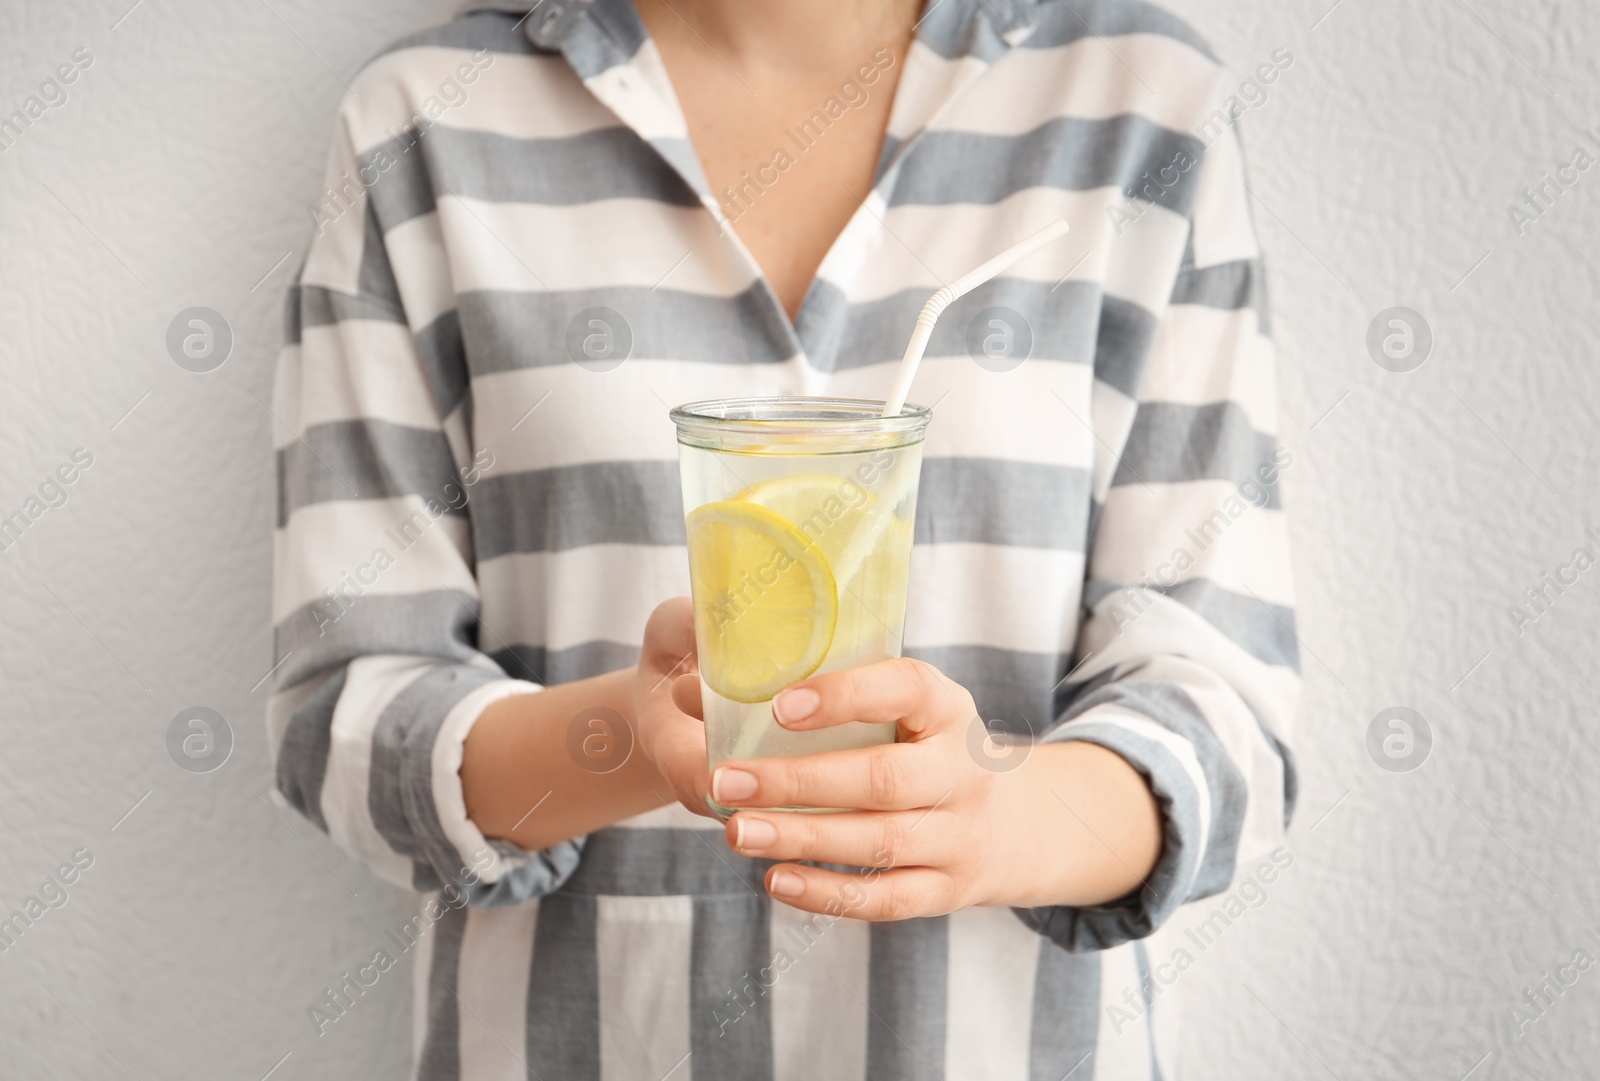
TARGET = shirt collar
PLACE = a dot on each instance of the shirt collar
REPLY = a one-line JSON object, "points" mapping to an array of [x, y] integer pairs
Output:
{"points": [[549, 23], [601, 40]]}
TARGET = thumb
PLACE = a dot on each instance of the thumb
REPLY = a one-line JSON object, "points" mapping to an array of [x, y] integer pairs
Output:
{"points": [[669, 638], [686, 696]]}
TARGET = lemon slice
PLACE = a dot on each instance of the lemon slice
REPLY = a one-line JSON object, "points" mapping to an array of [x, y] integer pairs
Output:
{"points": [[835, 514], [861, 538], [765, 602]]}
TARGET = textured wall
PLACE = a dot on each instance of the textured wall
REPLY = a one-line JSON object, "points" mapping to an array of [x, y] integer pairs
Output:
{"points": [[1420, 905]]}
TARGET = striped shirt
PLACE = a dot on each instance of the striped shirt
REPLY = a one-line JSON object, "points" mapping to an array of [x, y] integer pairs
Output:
{"points": [[475, 499]]}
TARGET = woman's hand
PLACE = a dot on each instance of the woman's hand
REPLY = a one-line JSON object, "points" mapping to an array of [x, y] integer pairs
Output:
{"points": [[939, 827], [674, 741]]}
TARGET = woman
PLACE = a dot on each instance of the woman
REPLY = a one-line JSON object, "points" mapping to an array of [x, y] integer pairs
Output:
{"points": [[542, 229]]}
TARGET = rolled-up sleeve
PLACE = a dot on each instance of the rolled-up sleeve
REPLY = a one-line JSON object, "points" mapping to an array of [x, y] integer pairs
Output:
{"points": [[1187, 659], [375, 599]]}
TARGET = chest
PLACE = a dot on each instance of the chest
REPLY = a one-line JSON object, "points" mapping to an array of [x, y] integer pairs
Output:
{"points": [[790, 159]]}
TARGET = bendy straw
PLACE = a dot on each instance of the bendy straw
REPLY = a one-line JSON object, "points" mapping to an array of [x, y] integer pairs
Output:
{"points": [[946, 296]]}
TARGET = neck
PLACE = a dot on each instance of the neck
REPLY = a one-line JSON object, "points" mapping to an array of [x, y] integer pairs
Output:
{"points": [[783, 34]]}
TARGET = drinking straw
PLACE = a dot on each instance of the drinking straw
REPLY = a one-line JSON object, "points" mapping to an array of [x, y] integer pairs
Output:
{"points": [[946, 296]]}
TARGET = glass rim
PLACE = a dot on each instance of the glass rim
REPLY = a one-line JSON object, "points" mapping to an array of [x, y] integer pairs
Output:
{"points": [[802, 416]]}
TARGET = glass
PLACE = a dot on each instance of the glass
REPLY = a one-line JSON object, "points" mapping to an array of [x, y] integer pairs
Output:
{"points": [[799, 514]]}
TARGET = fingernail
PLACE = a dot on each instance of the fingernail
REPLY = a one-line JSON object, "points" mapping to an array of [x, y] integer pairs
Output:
{"points": [[785, 884], [730, 784], [795, 705], [754, 833]]}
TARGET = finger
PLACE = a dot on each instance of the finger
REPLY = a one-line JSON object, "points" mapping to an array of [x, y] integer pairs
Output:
{"points": [[888, 777], [686, 695], [677, 746], [679, 754], [669, 638], [859, 838], [912, 693], [871, 894]]}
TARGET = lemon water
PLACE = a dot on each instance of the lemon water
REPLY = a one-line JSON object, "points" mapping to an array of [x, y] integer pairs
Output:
{"points": [[799, 564]]}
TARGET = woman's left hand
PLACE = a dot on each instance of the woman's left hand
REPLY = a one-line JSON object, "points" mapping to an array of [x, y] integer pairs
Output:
{"points": [[939, 826]]}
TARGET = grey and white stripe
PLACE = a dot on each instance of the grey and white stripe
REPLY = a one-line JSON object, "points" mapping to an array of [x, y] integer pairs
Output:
{"points": [[464, 512]]}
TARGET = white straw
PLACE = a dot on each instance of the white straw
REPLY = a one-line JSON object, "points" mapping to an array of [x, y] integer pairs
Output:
{"points": [[946, 296]]}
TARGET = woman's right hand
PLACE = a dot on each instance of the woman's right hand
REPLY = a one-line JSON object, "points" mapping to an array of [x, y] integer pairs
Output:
{"points": [[666, 704]]}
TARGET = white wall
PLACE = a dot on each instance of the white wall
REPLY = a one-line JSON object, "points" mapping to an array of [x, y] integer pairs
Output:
{"points": [[1420, 905]]}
